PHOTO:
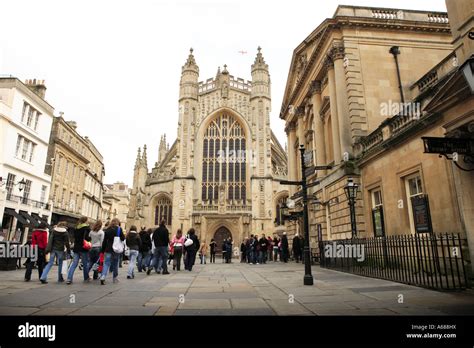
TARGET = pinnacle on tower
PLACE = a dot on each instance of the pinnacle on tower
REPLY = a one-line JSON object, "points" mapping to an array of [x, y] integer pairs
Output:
{"points": [[259, 62], [225, 72], [137, 161], [144, 158], [190, 63]]}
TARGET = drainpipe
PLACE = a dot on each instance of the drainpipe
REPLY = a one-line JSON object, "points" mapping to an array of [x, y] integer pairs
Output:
{"points": [[395, 51]]}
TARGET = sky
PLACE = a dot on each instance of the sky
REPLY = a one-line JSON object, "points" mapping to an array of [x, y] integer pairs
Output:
{"points": [[114, 66]]}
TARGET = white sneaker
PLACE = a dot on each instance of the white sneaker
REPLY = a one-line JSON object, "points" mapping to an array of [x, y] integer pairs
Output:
{"points": [[257, 263]]}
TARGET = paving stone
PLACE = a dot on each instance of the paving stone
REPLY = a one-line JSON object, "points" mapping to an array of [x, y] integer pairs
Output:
{"points": [[55, 311], [205, 304], [17, 310], [245, 303], [116, 310], [220, 312]]}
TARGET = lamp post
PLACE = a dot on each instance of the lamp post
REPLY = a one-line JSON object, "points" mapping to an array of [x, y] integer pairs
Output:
{"points": [[351, 193]]}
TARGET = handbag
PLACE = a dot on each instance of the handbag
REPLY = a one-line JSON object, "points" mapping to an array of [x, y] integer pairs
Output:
{"points": [[188, 242], [86, 245], [118, 244]]}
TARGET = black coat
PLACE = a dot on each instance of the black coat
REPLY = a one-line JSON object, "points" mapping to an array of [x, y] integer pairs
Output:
{"points": [[195, 246], [284, 243], [81, 234], [297, 245], [146, 241], [134, 241], [161, 237], [109, 234]]}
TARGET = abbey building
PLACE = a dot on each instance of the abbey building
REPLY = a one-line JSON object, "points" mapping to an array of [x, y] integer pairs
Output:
{"points": [[221, 175]]}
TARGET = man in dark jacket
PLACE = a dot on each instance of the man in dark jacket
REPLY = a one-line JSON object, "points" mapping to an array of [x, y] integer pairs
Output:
{"points": [[111, 258], [58, 240], [297, 248], [161, 240], [144, 255], [284, 247], [81, 233], [191, 250], [263, 243]]}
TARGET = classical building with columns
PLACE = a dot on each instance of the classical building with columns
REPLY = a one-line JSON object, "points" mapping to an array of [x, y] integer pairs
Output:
{"points": [[221, 175], [360, 94]]}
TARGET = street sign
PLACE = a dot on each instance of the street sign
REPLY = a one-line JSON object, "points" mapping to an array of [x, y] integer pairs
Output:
{"points": [[448, 146], [308, 158], [309, 171]]}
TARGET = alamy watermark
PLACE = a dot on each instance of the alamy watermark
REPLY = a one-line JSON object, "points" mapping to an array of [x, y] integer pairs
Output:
{"points": [[14, 251], [335, 250], [236, 156], [390, 109]]}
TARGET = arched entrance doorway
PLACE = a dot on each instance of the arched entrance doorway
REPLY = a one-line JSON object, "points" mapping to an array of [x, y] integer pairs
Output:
{"points": [[221, 234]]}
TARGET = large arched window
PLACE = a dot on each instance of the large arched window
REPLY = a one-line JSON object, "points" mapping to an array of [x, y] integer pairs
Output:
{"points": [[224, 160], [163, 210]]}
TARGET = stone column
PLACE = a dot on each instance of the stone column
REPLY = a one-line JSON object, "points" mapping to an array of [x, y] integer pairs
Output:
{"points": [[337, 54], [334, 110], [318, 125], [292, 164]]}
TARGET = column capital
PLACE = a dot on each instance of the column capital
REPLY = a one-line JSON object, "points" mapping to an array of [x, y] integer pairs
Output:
{"points": [[337, 51], [291, 127], [315, 87]]}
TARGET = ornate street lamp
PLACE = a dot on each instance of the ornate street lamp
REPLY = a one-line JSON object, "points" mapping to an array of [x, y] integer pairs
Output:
{"points": [[351, 193]]}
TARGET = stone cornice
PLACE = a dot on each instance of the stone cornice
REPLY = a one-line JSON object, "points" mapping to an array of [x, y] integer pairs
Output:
{"points": [[328, 26]]}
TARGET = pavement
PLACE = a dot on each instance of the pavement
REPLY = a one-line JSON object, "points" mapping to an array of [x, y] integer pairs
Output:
{"points": [[227, 289]]}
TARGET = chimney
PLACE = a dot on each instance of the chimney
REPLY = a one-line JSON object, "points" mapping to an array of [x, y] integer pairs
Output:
{"points": [[37, 86]]}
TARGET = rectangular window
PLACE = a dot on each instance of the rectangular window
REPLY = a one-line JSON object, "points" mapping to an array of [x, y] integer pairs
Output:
{"points": [[26, 191], [9, 186], [32, 151], [377, 212], [26, 146], [18, 145], [43, 193], [24, 112], [31, 115], [413, 188], [37, 120]]}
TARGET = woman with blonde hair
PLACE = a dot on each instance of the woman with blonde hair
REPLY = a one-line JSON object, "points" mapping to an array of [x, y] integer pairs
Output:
{"points": [[177, 244], [203, 253]]}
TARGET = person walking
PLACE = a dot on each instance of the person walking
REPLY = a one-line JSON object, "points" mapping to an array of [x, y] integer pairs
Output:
{"points": [[161, 241], [212, 247], [111, 257], [81, 234], [191, 250], [58, 241], [134, 243], [276, 241], [97, 238], [297, 248], [224, 250], [39, 240], [270, 249], [177, 242], [263, 244], [203, 253], [284, 247], [243, 250], [144, 253], [228, 250]]}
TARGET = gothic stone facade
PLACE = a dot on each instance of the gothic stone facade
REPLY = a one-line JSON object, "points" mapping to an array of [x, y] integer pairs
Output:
{"points": [[199, 182]]}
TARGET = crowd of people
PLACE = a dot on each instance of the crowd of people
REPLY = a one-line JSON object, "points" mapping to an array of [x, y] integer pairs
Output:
{"points": [[99, 250]]}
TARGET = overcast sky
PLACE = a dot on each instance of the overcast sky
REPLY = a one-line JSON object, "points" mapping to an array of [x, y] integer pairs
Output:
{"points": [[114, 66]]}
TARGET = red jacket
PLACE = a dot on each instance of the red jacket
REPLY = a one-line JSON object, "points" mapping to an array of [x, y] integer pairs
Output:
{"points": [[39, 238]]}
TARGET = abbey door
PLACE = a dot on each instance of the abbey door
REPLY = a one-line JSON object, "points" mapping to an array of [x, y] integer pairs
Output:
{"points": [[221, 234]]}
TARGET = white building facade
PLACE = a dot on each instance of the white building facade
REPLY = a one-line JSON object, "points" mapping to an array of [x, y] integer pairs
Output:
{"points": [[25, 126]]}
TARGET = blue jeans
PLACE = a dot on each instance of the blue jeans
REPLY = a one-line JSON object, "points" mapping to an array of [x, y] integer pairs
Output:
{"points": [[84, 256], [111, 262], [160, 259], [59, 255], [131, 263], [144, 259], [94, 255]]}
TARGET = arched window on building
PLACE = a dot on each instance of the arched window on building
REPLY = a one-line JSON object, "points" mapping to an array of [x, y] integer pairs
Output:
{"points": [[163, 210], [278, 211], [224, 135]]}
